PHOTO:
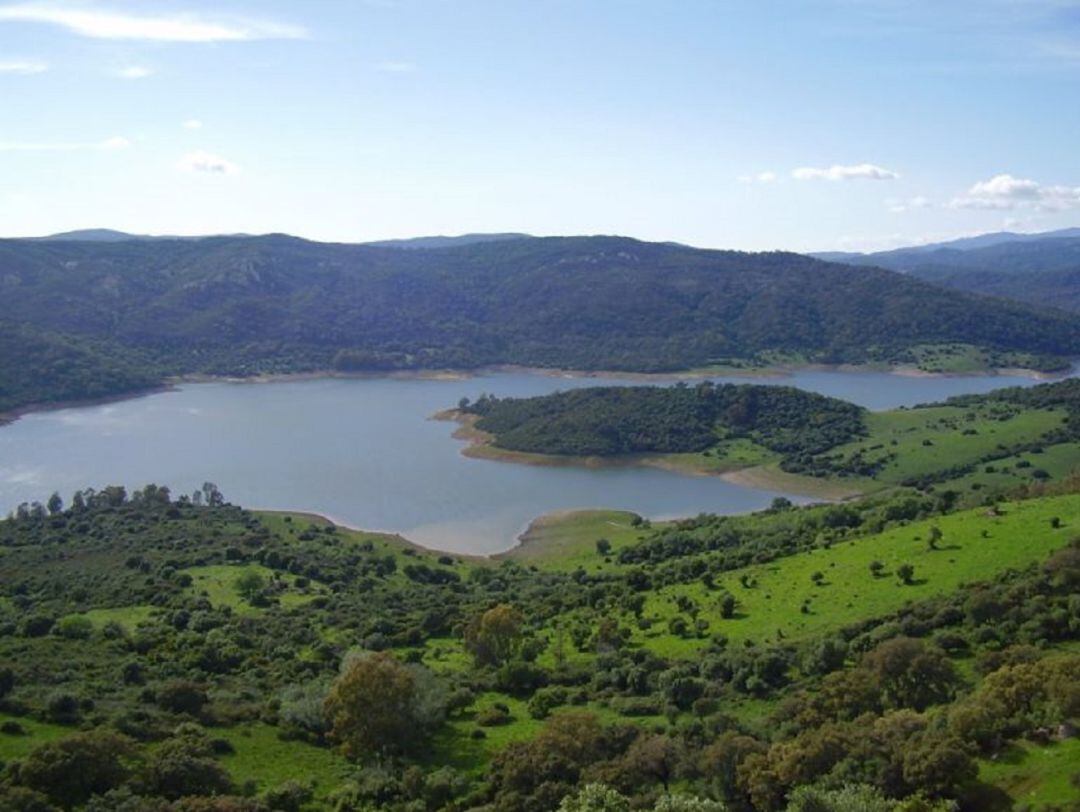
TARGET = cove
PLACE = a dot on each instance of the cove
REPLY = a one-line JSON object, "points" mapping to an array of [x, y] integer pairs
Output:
{"points": [[364, 452]]}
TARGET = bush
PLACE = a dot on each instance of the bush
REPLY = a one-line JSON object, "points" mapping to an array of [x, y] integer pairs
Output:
{"points": [[182, 696], [74, 627]]}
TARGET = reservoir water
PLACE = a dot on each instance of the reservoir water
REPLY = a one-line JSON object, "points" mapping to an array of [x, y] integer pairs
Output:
{"points": [[364, 452]]}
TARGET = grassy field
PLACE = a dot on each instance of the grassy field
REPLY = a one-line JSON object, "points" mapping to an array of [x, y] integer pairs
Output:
{"points": [[847, 591], [1036, 775], [916, 442], [267, 761], [14, 745], [566, 541], [218, 584]]}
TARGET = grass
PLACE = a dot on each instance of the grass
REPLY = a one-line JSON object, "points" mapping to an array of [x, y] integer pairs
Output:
{"points": [[848, 592], [218, 583], [567, 540], [1035, 775], [927, 440], [127, 616], [37, 733], [261, 757]]}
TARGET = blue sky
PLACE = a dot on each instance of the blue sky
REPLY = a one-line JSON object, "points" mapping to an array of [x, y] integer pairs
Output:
{"points": [[804, 124]]}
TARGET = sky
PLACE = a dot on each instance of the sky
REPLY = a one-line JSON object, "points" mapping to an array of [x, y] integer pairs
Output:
{"points": [[749, 124]]}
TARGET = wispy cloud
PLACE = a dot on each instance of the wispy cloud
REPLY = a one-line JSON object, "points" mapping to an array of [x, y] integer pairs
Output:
{"points": [[113, 144], [192, 124], [1005, 191], [24, 67], [910, 204], [206, 162], [100, 23], [133, 72], [841, 172], [759, 177], [395, 67]]}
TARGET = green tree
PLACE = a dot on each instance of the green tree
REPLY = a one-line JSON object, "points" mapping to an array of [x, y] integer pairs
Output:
{"points": [[379, 704], [249, 585], [911, 674], [595, 798], [70, 770], [494, 636]]}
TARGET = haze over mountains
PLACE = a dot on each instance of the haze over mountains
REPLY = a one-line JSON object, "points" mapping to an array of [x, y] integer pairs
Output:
{"points": [[1042, 269]]}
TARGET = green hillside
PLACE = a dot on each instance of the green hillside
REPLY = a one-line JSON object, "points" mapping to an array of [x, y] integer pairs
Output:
{"points": [[164, 652], [249, 305]]}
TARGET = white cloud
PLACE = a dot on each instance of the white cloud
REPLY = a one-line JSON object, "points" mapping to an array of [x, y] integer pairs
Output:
{"points": [[192, 124], [839, 172], [910, 204], [760, 177], [113, 144], [395, 67], [24, 67], [1005, 191], [200, 161], [101, 24], [134, 72]]}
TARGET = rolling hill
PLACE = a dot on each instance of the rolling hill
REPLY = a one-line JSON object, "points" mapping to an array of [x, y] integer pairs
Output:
{"points": [[247, 305], [1042, 269]]}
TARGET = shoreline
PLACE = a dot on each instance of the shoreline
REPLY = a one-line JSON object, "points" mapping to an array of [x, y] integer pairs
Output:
{"points": [[479, 444], [172, 382]]}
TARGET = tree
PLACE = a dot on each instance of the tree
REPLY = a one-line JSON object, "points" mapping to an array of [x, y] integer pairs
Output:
{"points": [[727, 605], [184, 765], [657, 757], [250, 585], [379, 704], [595, 798], [934, 537], [182, 696], [7, 681], [494, 636], [938, 765], [603, 546], [906, 573], [55, 504], [876, 568], [70, 770], [849, 798], [910, 674]]}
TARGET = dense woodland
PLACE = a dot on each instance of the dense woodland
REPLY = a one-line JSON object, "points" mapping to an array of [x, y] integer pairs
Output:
{"points": [[86, 318], [612, 420]]}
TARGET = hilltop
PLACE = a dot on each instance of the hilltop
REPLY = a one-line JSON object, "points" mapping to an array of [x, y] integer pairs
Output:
{"points": [[1041, 269], [253, 305]]}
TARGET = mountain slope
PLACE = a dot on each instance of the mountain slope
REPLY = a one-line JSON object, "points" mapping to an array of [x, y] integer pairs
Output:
{"points": [[242, 305], [1042, 269]]}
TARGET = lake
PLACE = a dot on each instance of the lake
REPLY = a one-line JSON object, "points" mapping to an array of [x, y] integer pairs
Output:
{"points": [[364, 452]]}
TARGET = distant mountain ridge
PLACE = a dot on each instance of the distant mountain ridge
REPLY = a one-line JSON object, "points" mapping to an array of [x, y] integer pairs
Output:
{"points": [[111, 235], [275, 303], [1041, 269], [447, 242]]}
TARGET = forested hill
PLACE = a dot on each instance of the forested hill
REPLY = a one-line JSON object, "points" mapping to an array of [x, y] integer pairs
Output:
{"points": [[612, 420], [1039, 269], [244, 305]]}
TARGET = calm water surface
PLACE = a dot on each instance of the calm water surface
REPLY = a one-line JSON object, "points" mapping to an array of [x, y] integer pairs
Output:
{"points": [[364, 452]]}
